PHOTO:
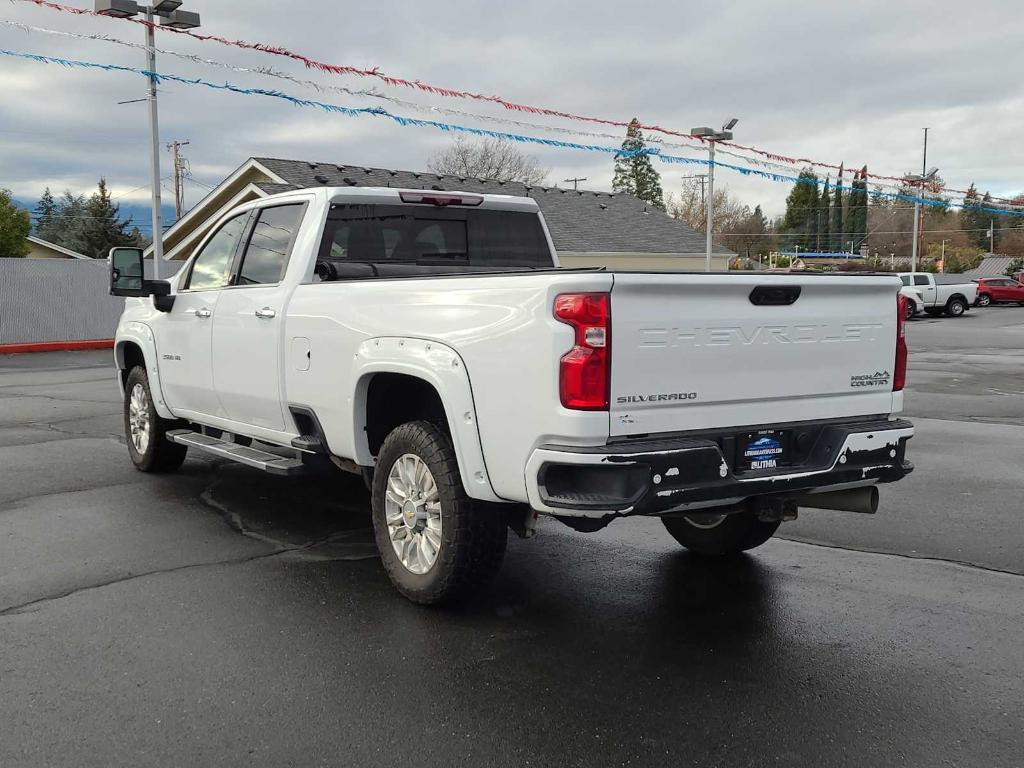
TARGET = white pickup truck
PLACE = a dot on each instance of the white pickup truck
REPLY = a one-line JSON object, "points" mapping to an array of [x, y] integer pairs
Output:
{"points": [[428, 341], [949, 294]]}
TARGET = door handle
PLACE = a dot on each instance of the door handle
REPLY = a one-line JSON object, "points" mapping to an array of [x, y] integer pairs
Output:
{"points": [[203, 312], [266, 313]]}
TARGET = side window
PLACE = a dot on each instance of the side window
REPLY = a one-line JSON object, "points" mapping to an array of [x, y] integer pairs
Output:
{"points": [[920, 280], [212, 267], [905, 279], [266, 255]]}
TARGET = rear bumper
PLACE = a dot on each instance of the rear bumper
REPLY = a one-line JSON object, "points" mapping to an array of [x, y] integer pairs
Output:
{"points": [[651, 477]]}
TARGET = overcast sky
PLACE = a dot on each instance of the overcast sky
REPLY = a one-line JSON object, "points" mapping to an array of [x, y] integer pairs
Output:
{"points": [[851, 81]]}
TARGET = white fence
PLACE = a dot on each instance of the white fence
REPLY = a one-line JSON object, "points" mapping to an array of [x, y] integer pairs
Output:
{"points": [[56, 300]]}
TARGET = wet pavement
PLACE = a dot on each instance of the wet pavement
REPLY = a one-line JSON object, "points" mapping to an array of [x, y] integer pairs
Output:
{"points": [[218, 616]]}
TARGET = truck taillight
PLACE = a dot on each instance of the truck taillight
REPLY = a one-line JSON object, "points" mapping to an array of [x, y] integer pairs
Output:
{"points": [[584, 374], [899, 376]]}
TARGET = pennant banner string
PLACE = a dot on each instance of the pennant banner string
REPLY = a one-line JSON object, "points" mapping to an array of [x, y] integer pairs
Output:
{"points": [[455, 93], [374, 94], [520, 138]]}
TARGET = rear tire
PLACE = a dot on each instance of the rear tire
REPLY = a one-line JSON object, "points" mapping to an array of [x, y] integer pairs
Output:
{"points": [[728, 535], [144, 430], [955, 307], [984, 300], [436, 543]]}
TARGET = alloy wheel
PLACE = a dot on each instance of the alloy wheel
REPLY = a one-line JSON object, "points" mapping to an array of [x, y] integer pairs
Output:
{"points": [[412, 511], [138, 418]]}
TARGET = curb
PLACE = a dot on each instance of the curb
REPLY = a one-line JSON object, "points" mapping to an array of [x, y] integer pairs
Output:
{"points": [[56, 346]]}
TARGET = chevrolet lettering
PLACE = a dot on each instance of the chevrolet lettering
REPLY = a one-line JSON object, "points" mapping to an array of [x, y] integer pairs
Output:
{"points": [[761, 334]]}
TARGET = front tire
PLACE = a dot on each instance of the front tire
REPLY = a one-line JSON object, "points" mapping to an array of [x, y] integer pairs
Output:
{"points": [[436, 543], [725, 535], [956, 307], [144, 430]]}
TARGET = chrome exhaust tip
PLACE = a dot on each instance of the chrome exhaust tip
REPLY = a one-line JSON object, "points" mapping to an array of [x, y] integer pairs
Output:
{"points": [[862, 500]]}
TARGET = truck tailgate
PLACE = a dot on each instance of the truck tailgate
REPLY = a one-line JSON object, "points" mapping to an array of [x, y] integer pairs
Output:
{"points": [[707, 351]]}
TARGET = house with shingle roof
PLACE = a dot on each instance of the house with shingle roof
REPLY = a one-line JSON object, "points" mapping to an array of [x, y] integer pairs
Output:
{"points": [[588, 228]]}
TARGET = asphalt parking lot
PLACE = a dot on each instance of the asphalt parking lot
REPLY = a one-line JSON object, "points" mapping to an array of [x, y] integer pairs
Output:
{"points": [[221, 617]]}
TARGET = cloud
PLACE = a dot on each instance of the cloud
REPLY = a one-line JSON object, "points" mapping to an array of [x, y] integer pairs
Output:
{"points": [[852, 82]]}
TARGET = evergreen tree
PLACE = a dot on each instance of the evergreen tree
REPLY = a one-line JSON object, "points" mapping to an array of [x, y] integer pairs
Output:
{"points": [[825, 233], [972, 220], [857, 210], [634, 172], [800, 220], [850, 219], [103, 227], [991, 221], [46, 211], [15, 226], [837, 214], [68, 225]]}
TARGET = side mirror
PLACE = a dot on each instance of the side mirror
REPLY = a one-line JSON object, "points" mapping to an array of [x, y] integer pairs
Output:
{"points": [[127, 278], [126, 274]]}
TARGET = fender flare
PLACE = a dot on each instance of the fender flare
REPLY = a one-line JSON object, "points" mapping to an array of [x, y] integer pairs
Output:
{"points": [[140, 334], [443, 368]]}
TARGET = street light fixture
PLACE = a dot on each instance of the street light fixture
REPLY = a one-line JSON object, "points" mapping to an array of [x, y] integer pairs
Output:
{"points": [[117, 9], [180, 20], [711, 135], [920, 180], [170, 16]]}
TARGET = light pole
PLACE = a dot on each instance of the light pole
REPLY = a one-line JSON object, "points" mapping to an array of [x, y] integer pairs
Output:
{"points": [[170, 16], [920, 181], [712, 136]]}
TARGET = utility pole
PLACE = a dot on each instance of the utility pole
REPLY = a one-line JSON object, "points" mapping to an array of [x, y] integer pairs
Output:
{"points": [[921, 180], [712, 136], [991, 237], [575, 182], [180, 166], [702, 180], [170, 16]]}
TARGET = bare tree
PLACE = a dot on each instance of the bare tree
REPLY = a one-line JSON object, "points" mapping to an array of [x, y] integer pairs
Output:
{"points": [[488, 158], [689, 207]]}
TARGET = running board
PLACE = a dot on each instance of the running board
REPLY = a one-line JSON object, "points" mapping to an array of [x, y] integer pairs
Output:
{"points": [[253, 457]]}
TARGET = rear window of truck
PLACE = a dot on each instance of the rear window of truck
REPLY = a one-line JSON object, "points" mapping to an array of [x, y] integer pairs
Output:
{"points": [[360, 240]]}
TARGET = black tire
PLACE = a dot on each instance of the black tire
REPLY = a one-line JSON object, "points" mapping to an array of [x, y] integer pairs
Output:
{"points": [[910, 311], [732, 534], [158, 454], [956, 306], [984, 300], [473, 533]]}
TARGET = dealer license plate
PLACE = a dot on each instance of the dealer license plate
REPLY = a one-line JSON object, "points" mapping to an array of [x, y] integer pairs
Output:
{"points": [[765, 449]]}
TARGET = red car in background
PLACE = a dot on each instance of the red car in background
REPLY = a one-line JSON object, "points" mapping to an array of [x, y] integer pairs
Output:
{"points": [[999, 290]]}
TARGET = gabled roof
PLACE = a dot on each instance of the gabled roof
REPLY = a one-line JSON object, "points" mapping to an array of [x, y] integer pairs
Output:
{"points": [[579, 221], [59, 248]]}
